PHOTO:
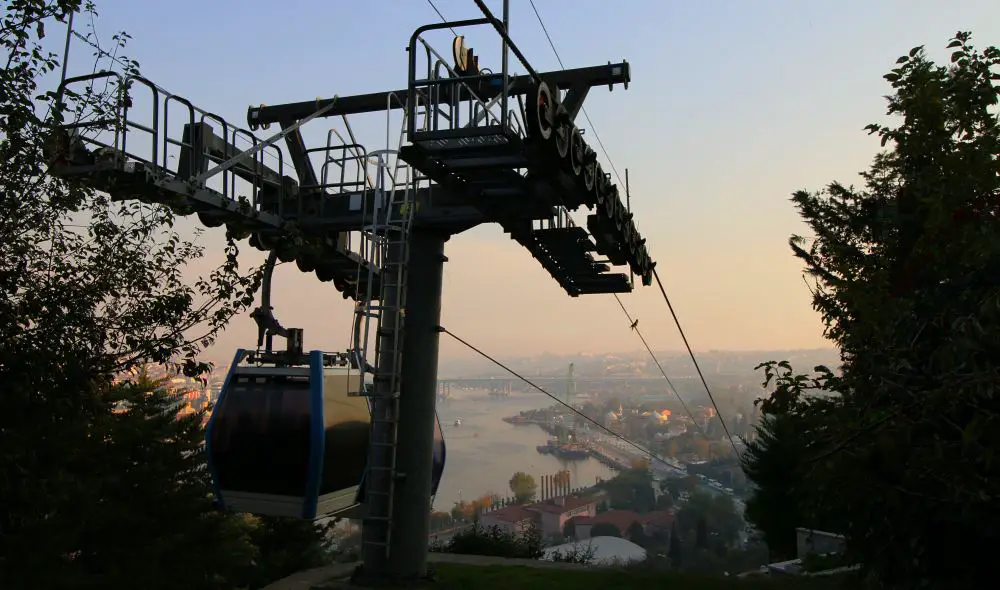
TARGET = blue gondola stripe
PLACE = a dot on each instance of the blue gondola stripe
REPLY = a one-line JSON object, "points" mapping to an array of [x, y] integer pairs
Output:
{"points": [[212, 473], [317, 435]]}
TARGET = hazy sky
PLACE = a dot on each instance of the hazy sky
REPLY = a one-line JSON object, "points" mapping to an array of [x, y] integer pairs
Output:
{"points": [[732, 106]]}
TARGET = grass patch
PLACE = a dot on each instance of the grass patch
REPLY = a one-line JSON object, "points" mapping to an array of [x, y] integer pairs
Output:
{"points": [[467, 577]]}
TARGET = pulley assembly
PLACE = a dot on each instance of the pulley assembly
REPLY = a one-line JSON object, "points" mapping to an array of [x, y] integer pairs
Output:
{"points": [[611, 223]]}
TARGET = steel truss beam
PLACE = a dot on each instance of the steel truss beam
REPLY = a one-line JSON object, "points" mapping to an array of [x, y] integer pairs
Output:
{"points": [[489, 87]]}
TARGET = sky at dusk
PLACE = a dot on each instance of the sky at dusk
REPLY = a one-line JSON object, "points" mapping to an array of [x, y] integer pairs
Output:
{"points": [[731, 108]]}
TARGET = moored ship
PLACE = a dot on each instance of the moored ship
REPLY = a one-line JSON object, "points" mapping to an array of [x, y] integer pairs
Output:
{"points": [[571, 452]]}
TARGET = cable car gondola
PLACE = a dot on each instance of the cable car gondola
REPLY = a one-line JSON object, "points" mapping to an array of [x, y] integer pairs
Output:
{"points": [[289, 440], [289, 434]]}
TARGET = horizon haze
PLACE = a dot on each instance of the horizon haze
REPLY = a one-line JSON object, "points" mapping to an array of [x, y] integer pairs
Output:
{"points": [[731, 108]]}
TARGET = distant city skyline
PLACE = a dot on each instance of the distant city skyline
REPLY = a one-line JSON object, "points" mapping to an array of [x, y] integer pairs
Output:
{"points": [[677, 364], [731, 108]]}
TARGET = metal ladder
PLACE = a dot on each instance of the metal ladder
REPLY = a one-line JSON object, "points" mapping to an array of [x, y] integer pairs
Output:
{"points": [[377, 227], [391, 218]]}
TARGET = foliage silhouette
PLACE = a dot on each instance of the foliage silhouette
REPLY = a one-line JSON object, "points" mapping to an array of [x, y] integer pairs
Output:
{"points": [[524, 487], [897, 446], [104, 486], [494, 541]]}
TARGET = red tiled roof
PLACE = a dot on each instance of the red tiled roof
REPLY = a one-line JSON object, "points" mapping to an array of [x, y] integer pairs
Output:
{"points": [[511, 514], [658, 518], [572, 503], [622, 519]]}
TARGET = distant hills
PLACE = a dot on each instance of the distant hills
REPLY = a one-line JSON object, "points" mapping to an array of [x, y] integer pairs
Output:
{"points": [[638, 364]]}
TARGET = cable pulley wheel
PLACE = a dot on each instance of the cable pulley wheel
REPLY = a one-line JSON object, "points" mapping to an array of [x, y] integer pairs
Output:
{"points": [[238, 233], [577, 152], [589, 176], [627, 228], [562, 136], [255, 241], [209, 221], [600, 186], [286, 252], [643, 259], [611, 204], [543, 121], [621, 218], [636, 262], [633, 236], [636, 247], [305, 264], [269, 241], [324, 274]]}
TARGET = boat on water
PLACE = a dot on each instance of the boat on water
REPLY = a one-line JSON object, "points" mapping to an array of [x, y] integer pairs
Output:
{"points": [[565, 451], [548, 448], [458, 422], [519, 419], [571, 452]]}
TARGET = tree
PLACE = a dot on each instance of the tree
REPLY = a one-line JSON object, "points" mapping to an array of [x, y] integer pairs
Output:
{"points": [[440, 520], [154, 497], [524, 487], [774, 461], [604, 529], [284, 546], [637, 534], [701, 534], [631, 489], [717, 512], [674, 552], [466, 511], [904, 271], [91, 290]]}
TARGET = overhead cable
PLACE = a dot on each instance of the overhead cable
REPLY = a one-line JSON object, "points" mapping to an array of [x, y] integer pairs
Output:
{"points": [[443, 19], [583, 109], [635, 328], [611, 163], [697, 367], [637, 446]]}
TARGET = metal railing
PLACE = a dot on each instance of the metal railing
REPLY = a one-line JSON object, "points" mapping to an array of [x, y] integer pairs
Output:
{"points": [[156, 155], [442, 86]]}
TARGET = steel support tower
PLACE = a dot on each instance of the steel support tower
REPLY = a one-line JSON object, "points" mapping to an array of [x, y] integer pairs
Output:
{"points": [[476, 147]]}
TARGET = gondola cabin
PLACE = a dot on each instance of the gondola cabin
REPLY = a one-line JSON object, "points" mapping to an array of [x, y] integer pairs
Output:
{"points": [[289, 440]]}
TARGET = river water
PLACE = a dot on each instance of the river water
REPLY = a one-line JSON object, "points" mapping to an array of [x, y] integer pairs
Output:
{"points": [[485, 451]]}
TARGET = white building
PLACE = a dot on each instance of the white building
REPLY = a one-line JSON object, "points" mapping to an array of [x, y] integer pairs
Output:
{"points": [[606, 551]]}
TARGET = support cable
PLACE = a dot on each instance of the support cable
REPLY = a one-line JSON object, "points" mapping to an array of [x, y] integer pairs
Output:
{"points": [[697, 367], [635, 327], [620, 181], [528, 382], [443, 19], [583, 109], [660, 283]]}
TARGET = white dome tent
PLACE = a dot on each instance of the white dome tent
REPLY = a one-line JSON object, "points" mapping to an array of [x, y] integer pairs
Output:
{"points": [[606, 550]]}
